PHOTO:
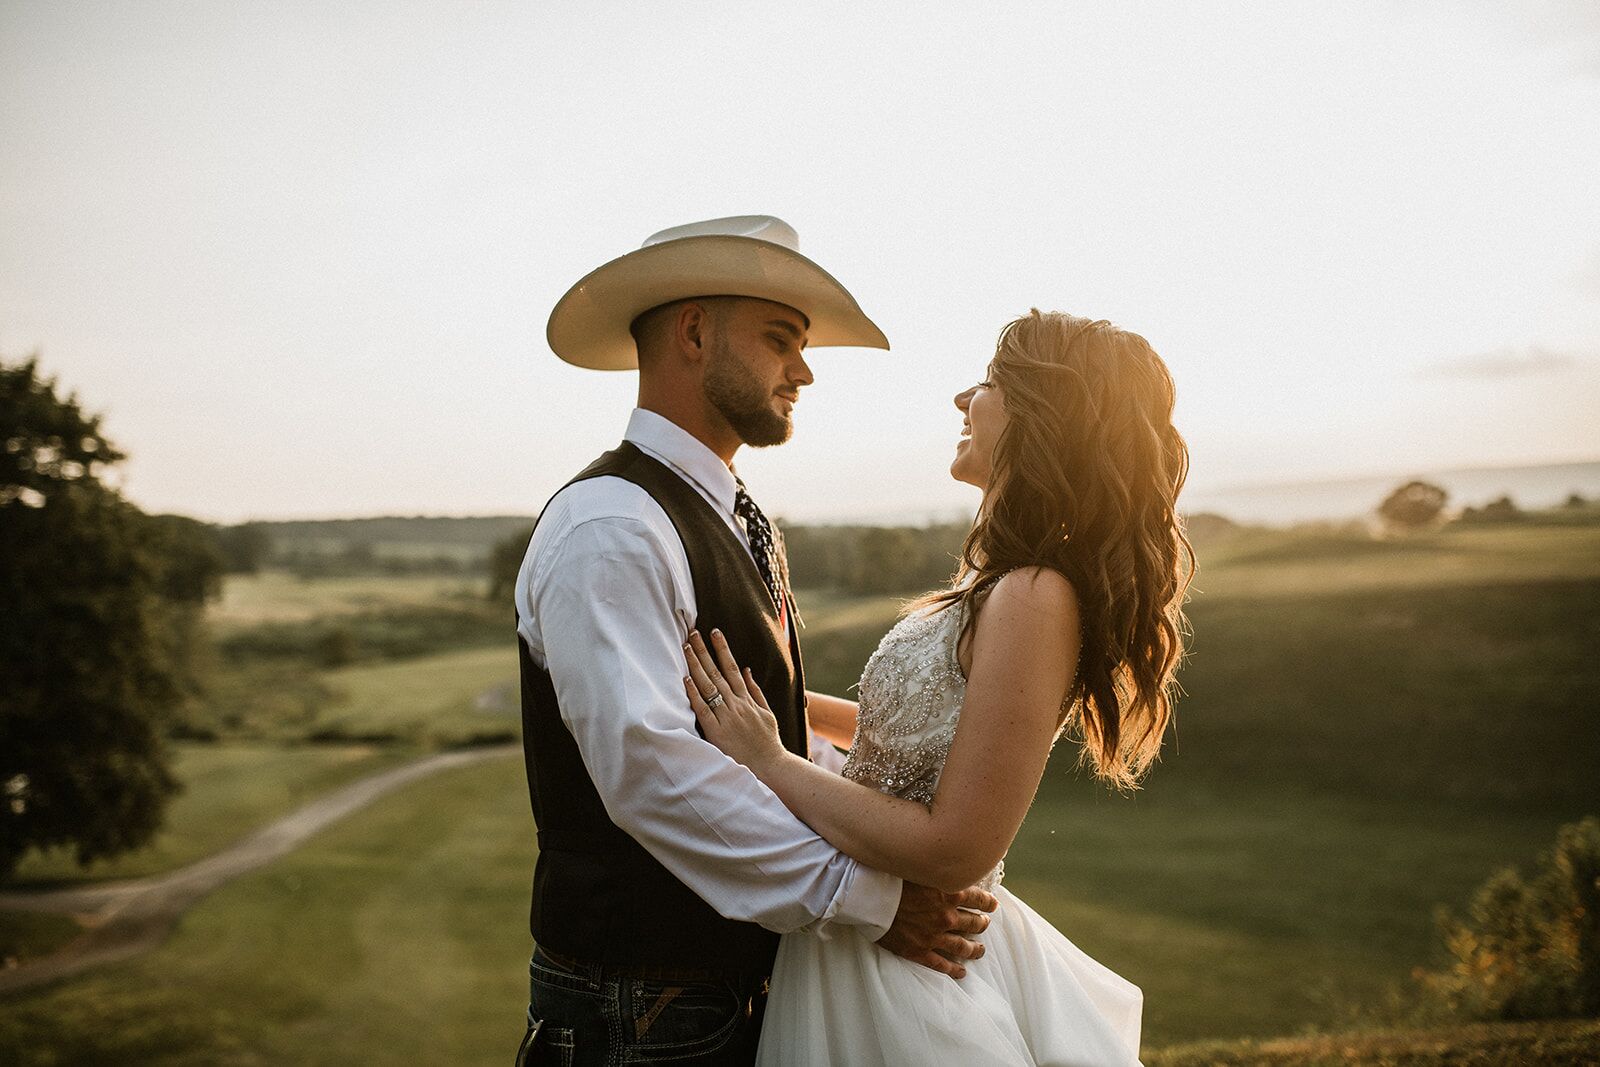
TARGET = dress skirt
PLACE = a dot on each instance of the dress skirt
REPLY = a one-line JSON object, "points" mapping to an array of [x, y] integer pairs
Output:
{"points": [[1034, 999]]}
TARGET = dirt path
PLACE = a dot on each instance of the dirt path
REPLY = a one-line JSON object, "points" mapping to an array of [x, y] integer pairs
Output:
{"points": [[122, 919]]}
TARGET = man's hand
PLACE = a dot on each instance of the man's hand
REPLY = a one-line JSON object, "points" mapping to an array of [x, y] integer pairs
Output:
{"points": [[932, 929]]}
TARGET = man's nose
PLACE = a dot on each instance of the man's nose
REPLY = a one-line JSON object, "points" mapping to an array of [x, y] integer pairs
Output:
{"points": [[800, 372]]}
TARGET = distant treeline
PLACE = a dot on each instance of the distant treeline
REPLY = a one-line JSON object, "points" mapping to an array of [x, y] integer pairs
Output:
{"points": [[419, 544], [864, 559], [475, 532], [873, 559], [855, 559]]}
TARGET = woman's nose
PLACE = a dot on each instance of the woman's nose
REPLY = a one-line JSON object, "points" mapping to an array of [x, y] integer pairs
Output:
{"points": [[962, 398]]}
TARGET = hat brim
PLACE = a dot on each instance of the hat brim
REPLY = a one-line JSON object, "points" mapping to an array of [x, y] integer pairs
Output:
{"points": [[589, 325]]}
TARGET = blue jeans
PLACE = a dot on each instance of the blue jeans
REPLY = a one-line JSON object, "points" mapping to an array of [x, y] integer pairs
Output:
{"points": [[591, 1016]]}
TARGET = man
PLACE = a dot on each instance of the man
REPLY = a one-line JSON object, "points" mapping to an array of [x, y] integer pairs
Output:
{"points": [[666, 870]]}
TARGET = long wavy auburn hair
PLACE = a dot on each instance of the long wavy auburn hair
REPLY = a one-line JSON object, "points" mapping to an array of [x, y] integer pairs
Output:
{"points": [[1085, 479]]}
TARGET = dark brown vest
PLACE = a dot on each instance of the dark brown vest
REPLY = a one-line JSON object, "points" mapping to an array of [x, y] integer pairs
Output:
{"points": [[597, 894]]}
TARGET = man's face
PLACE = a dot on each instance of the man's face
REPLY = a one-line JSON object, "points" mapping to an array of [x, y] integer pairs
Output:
{"points": [[756, 367]]}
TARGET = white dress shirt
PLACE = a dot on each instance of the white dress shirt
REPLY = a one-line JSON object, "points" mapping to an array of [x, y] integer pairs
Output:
{"points": [[605, 602]]}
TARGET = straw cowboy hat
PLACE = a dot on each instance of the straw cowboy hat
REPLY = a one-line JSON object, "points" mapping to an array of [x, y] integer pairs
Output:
{"points": [[746, 255]]}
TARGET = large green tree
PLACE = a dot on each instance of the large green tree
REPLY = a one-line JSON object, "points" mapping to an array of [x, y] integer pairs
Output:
{"points": [[95, 603]]}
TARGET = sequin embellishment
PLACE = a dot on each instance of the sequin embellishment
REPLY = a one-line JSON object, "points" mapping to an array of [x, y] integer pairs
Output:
{"points": [[910, 695]]}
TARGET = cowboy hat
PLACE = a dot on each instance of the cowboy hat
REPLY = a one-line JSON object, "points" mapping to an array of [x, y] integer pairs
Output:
{"points": [[746, 255]]}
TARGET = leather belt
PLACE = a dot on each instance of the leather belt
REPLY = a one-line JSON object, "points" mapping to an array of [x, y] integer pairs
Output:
{"points": [[651, 974]]}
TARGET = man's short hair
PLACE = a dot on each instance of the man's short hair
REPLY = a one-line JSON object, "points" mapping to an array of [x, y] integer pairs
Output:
{"points": [[649, 322], [647, 325]]}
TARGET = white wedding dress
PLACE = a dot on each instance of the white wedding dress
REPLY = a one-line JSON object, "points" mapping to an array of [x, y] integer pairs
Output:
{"points": [[1033, 999]]}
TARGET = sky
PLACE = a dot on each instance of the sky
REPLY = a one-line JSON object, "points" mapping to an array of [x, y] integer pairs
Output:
{"points": [[301, 255]]}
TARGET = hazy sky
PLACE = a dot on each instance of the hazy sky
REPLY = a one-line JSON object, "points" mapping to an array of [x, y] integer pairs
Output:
{"points": [[302, 254]]}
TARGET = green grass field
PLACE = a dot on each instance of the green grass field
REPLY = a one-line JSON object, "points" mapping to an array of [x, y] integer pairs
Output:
{"points": [[1551, 1043], [1273, 562], [278, 596], [1370, 729], [228, 790], [448, 699], [396, 937], [406, 660], [415, 909]]}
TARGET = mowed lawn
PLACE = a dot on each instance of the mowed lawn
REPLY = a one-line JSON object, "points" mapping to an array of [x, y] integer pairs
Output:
{"points": [[398, 936], [447, 699], [229, 789], [279, 596], [1370, 729]]}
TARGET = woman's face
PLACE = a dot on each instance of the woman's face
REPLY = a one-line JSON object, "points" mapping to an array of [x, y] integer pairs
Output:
{"points": [[983, 406]]}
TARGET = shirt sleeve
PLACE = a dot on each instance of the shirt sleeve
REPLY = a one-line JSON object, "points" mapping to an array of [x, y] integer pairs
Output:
{"points": [[613, 629]]}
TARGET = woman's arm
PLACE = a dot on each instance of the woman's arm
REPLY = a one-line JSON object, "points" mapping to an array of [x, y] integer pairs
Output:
{"points": [[832, 718], [1024, 646]]}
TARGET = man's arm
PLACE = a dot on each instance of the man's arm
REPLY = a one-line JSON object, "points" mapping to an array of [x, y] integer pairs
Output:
{"points": [[1024, 644], [612, 625]]}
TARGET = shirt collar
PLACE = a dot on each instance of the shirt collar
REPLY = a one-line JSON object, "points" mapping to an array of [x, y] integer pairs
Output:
{"points": [[681, 450]]}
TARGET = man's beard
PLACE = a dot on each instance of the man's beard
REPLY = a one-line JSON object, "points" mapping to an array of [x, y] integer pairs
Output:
{"points": [[743, 400]]}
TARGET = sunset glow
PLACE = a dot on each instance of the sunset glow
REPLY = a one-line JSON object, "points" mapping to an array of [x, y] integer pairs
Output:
{"points": [[302, 255]]}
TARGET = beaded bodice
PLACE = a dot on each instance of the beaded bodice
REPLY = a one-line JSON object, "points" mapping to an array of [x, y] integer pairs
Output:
{"points": [[910, 696]]}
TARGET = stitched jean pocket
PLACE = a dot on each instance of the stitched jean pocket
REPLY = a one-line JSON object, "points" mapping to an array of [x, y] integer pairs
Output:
{"points": [[662, 1021]]}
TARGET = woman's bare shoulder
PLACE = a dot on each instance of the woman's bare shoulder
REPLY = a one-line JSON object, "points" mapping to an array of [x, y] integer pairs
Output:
{"points": [[1042, 594]]}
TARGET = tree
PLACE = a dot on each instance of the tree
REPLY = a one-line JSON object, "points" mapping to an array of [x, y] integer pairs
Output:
{"points": [[93, 592], [1413, 505], [190, 558]]}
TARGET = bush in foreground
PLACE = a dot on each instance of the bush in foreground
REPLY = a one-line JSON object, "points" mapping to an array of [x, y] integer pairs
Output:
{"points": [[1528, 948]]}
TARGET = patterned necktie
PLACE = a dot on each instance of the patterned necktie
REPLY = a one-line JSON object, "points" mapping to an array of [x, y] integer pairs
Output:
{"points": [[766, 545]]}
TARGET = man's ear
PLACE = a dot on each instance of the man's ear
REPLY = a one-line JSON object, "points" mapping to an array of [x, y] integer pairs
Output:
{"points": [[691, 329]]}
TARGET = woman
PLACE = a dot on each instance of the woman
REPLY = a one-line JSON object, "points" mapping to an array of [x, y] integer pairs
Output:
{"points": [[1065, 614]]}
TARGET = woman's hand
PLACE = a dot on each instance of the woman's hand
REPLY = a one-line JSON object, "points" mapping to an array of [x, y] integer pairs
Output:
{"points": [[732, 710]]}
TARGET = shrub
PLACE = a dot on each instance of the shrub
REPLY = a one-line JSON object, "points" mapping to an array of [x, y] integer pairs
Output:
{"points": [[1528, 949], [259, 700]]}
